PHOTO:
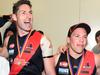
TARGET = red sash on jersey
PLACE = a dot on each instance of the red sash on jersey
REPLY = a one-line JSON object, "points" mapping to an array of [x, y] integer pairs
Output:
{"points": [[88, 64], [30, 48]]}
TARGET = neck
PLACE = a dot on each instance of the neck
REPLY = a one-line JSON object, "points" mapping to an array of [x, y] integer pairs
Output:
{"points": [[22, 33], [74, 55]]}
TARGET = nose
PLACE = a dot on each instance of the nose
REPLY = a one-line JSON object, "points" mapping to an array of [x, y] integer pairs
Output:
{"points": [[81, 39]]}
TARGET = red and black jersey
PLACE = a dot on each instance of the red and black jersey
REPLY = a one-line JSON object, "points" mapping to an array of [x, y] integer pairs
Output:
{"points": [[62, 67], [35, 65]]}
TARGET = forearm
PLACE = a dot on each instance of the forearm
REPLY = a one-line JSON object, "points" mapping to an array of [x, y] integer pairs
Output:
{"points": [[3, 52], [97, 61], [4, 28], [98, 71], [47, 53], [49, 66]]}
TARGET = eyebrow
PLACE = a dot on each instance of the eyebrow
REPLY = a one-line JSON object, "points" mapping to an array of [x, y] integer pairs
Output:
{"points": [[23, 11]]}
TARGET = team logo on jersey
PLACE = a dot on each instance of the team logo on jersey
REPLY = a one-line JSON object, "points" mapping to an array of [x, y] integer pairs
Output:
{"points": [[63, 64], [12, 45], [75, 66], [28, 48], [85, 72], [11, 51], [20, 61], [87, 66], [64, 71]]}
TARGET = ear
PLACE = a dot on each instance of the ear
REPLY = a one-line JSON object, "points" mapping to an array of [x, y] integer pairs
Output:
{"points": [[14, 18], [68, 40]]}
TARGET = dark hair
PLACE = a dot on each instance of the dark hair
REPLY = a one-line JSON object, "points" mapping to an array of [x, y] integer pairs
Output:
{"points": [[79, 25], [20, 2], [96, 35]]}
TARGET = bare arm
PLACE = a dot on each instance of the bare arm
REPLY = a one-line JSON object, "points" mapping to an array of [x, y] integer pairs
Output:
{"points": [[49, 66], [47, 52], [97, 61], [3, 50], [2, 29]]}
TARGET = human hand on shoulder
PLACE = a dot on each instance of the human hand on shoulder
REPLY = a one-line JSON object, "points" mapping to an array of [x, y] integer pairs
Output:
{"points": [[62, 48]]}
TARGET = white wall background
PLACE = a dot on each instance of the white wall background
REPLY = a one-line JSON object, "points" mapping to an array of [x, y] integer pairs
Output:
{"points": [[54, 17]]}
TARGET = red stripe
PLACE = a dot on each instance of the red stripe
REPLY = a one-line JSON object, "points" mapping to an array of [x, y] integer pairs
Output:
{"points": [[35, 41]]}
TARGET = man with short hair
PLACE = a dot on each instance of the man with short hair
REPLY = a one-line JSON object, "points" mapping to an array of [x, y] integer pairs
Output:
{"points": [[96, 48], [29, 51]]}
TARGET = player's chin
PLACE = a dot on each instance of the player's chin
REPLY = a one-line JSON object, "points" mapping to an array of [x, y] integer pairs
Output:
{"points": [[80, 51], [28, 30]]}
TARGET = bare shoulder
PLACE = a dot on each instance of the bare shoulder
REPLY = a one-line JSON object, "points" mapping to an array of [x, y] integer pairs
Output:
{"points": [[97, 60], [6, 40]]}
